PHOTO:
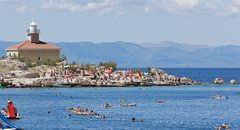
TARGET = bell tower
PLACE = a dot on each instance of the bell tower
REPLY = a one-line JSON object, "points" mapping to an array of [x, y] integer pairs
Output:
{"points": [[33, 33]]}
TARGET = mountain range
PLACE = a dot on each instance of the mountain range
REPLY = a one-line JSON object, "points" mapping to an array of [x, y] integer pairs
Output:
{"points": [[165, 54]]}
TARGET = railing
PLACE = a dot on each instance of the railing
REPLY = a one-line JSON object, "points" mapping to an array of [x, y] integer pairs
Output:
{"points": [[33, 31]]}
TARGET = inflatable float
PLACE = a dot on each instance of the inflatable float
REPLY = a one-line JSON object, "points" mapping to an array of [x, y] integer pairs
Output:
{"points": [[8, 125]]}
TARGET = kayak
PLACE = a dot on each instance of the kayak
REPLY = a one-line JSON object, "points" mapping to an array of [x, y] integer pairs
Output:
{"points": [[8, 124], [14, 118]]}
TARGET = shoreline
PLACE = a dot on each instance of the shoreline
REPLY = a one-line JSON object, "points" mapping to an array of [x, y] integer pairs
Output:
{"points": [[78, 85], [114, 86]]}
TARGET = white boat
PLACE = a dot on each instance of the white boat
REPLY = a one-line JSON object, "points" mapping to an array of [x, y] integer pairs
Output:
{"points": [[129, 105], [132, 104]]}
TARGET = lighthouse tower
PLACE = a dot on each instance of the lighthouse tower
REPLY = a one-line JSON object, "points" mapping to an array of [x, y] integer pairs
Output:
{"points": [[33, 33]]}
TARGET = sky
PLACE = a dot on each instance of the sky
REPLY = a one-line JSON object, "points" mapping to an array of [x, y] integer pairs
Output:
{"points": [[209, 22]]}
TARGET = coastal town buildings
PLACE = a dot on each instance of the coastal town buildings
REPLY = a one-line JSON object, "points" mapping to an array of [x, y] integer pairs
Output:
{"points": [[33, 48]]}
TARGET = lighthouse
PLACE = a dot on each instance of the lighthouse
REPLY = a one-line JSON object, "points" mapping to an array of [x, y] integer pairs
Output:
{"points": [[33, 48], [33, 33]]}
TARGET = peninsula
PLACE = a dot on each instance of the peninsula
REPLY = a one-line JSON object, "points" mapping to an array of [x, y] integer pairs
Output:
{"points": [[17, 73]]}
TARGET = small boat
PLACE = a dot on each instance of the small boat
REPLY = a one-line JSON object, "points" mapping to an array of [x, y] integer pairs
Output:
{"points": [[14, 118], [129, 105], [132, 104], [160, 101], [8, 124]]}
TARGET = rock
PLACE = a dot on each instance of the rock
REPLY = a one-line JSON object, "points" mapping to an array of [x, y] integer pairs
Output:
{"points": [[31, 75], [185, 80], [233, 81], [160, 71], [218, 81], [22, 67]]}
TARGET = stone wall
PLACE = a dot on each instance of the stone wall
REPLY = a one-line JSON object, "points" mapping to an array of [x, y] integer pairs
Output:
{"points": [[38, 55]]}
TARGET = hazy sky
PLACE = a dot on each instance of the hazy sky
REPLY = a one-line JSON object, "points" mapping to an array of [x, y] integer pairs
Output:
{"points": [[212, 22]]}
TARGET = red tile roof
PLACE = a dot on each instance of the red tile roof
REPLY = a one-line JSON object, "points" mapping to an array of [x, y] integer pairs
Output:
{"points": [[28, 45]]}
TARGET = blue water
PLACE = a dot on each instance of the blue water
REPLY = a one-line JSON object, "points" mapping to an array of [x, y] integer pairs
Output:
{"points": [[206, 74], [185, 107]]}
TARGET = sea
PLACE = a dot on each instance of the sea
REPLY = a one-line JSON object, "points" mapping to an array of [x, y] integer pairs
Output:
{"points": [[183, 107]]}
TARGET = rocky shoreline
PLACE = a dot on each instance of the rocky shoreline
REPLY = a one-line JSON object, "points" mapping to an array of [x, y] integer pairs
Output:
{"points": [[16, 74]]}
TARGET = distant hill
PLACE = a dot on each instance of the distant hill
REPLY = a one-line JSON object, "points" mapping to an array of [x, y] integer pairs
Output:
{"points": [[164, 54]]}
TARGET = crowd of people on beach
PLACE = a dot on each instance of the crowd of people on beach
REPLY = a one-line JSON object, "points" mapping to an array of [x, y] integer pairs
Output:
{"points": [[101, 75], [105, 74]]}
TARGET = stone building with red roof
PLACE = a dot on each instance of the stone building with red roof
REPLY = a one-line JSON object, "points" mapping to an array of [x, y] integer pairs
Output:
{"points": [[34, 49]]}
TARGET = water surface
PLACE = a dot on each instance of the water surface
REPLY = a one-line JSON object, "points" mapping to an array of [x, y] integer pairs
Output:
{"points": [[184, 108]]}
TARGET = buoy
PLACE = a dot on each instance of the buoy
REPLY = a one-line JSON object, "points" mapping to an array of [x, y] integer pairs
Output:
{"points": [[133, 119], [49, 112]]}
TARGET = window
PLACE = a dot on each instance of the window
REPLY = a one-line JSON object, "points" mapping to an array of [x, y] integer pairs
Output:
{"points": [[39, 58]]}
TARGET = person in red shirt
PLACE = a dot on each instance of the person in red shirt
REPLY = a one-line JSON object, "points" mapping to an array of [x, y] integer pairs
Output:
{"points": [[12, 111]]}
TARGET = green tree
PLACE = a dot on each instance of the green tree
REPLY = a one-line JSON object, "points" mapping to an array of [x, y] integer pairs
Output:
{"points": [[109, 64], [63, 58]]}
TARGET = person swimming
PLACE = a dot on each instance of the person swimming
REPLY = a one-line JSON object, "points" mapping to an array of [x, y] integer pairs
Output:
{"points": [[133, 119]]}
